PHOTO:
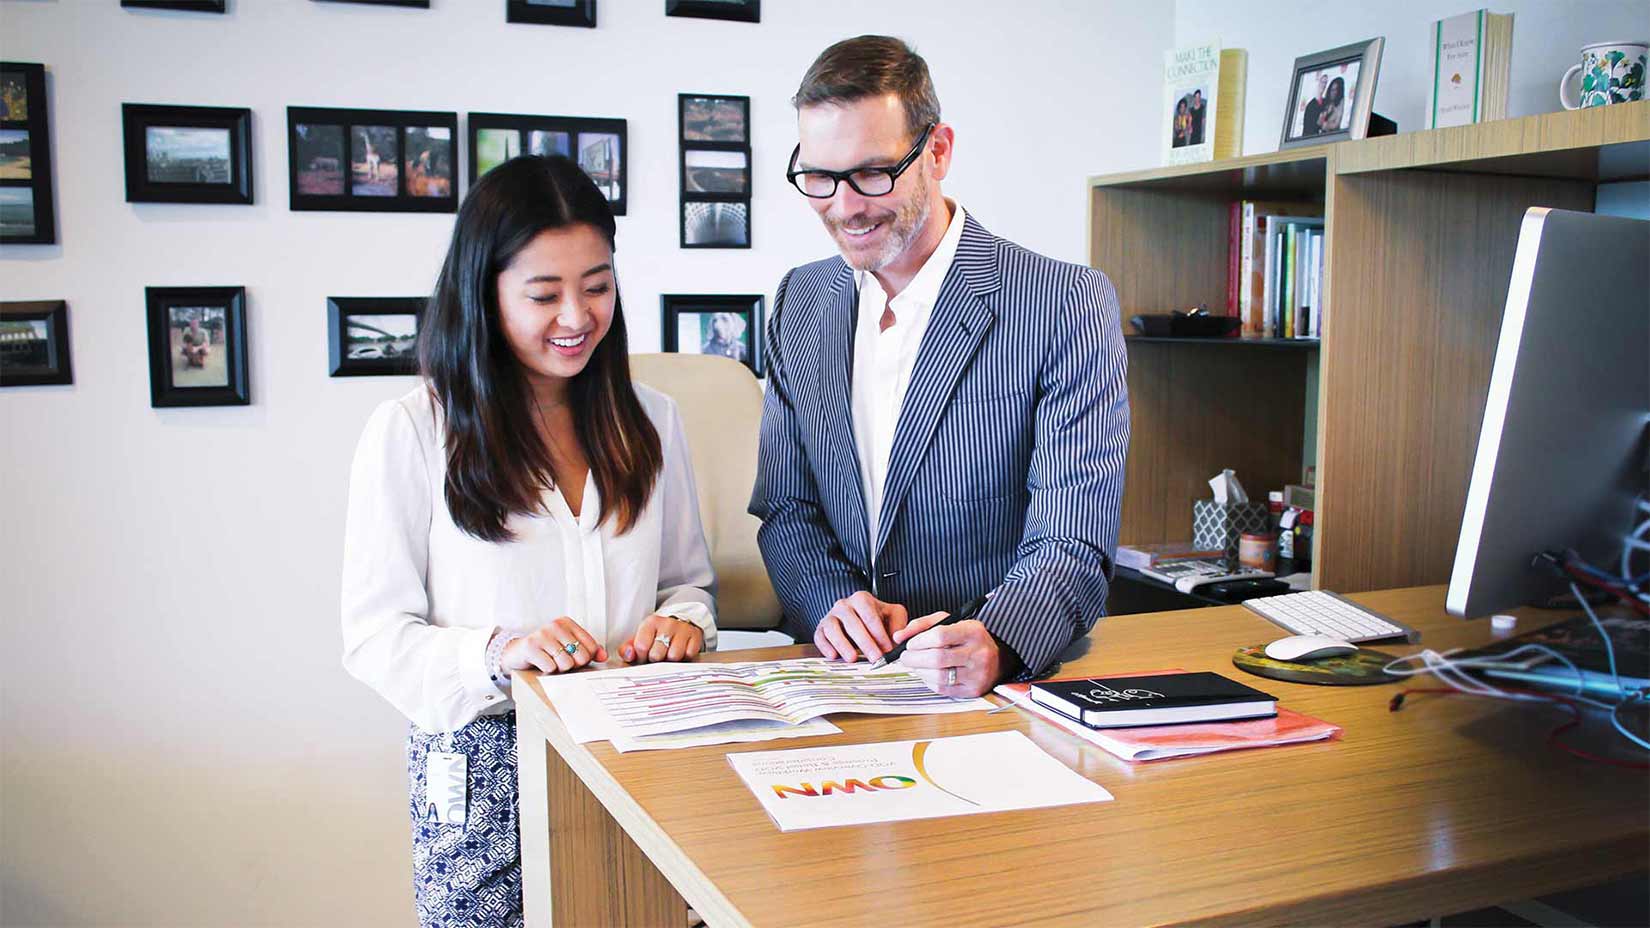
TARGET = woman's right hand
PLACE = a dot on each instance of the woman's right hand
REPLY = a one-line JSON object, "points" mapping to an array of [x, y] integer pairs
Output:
{"points": [[546, 649]]}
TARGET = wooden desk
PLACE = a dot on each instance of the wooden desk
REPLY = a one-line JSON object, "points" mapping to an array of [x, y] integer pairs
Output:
{"points": [[1451, 804]]}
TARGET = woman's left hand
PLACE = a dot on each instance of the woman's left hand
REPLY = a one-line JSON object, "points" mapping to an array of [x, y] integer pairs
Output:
{"points": [[662, 638]]}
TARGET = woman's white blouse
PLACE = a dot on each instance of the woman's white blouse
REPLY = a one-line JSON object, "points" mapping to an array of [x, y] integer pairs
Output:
{"points": [[421, 598]]}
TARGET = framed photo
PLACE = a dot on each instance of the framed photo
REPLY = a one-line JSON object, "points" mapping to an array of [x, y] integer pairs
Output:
{"points": [[373, 336], [420, 4], [744, 11], [551, 12], [187, 154], [708, 170], [710, 118], [34, 344], [730, 326], [197, 346], [600, 146], [716, 224], [1331, 94], [191, 6], [26, 215], [373, 161]]}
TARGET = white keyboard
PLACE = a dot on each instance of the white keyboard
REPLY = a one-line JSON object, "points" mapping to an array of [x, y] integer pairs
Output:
{"points": [[1318, 612]]}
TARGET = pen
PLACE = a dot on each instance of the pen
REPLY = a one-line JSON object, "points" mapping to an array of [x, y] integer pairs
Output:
{"points": [[961, 615]]}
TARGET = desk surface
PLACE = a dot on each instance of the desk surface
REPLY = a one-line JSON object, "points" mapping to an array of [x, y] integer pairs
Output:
{"points": [[1453, 803]]}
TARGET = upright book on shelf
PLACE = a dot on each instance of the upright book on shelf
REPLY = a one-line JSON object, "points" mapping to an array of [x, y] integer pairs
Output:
{"points": [[1471, 61], [1252, 271], [1203, 91]]}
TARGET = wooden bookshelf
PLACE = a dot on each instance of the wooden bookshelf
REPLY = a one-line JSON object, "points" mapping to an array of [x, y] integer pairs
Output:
{"points": [[1420, 233]]}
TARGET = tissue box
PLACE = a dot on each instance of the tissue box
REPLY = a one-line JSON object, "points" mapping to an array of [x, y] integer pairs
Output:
{"points": [[1221, 526]]}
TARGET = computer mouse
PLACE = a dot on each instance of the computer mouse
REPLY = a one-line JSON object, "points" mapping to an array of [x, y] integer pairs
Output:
{"points": [[1308, 648]]}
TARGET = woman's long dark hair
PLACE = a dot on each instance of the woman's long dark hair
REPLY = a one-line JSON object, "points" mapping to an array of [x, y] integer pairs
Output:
{"points": [[497, 466]]}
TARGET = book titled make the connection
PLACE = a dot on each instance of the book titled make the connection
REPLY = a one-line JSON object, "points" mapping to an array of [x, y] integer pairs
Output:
{"points": [[1121, 702]]}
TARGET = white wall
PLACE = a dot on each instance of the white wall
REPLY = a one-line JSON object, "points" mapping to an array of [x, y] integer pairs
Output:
{"points": [[180, 745], [1547, 38]]}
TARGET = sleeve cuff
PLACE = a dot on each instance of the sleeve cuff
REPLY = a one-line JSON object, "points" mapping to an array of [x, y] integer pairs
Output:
{"points": [[695, 612], [479, 690]]}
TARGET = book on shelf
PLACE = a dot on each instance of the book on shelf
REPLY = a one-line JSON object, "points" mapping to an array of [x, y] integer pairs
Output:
{"points": [[1157, 699], [1471, 64], [1293, 270], [1252, 258], [1203, 98], [1150, 555], [1161, 742]]}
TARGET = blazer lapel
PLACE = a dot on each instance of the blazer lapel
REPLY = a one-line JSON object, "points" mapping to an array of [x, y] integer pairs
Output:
{"points": [[836, 411], [958, 324]]}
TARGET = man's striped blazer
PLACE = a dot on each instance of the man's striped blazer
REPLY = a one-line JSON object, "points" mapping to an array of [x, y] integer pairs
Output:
{"points": [[1006, 472]]}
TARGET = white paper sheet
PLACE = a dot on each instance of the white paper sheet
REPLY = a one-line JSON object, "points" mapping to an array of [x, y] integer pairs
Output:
{"points": [[725, 733], [860, 784]]}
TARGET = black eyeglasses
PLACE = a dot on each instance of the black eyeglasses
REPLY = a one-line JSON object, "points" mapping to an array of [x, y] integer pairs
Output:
{"points": [[867, 182]]}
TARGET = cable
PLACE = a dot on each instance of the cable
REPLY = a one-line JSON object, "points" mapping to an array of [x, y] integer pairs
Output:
{"points": [[1553, 739], [1610, 652]]}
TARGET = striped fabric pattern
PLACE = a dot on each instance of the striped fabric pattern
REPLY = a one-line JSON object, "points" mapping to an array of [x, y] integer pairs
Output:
{"points": [[1007, 466]]}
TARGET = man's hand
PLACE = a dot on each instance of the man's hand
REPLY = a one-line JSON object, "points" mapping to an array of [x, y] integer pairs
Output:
{"points": [[965, 648], [859, 625]]}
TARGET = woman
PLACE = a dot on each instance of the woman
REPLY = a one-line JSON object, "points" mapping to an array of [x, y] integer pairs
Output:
{"points": [[1334, 107], [526, 507]]}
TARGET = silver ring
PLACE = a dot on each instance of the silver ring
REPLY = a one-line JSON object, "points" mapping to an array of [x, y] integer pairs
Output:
{"points": [[950, 676], [662, 639], [572, 647]]}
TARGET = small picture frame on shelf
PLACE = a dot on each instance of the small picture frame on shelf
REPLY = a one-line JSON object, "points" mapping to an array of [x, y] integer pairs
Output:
{"points": [[1331, 95], [187, 6], [600, 147], [373, 161], [26, 214], [187, 154], [714, 118], [197, 346], [552, 12], [742, 11], [725, 325], [373, 336], [34, 343]]}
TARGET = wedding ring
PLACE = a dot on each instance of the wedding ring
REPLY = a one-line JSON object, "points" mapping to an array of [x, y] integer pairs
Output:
{"points": [[950, 676], [572, 647], [662, 639]]}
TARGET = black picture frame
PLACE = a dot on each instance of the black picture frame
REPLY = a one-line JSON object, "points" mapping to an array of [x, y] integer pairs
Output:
{"points": [[707, 223], [615, 185], [187, 6], [751, 307], [321, 141], [165, 357], [581, 13], [1367, 56], [708, 178], [345, 360], [694, 129], [190, 180], [418, 4], [27, 214], [34, 344], [742, 11]]}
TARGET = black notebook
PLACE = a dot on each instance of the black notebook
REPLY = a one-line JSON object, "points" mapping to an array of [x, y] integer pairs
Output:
{"points": [[1167, 699]]}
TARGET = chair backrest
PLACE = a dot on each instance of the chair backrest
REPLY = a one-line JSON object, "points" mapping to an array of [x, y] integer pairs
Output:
{"points": [[721, 406]]}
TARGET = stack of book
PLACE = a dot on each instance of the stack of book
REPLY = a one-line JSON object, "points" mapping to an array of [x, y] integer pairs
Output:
{"points": [[1275, 278], [1471, 61]]}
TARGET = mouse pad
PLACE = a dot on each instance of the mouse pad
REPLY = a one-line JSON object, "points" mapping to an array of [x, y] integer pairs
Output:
{"points": [[1361, 668]]}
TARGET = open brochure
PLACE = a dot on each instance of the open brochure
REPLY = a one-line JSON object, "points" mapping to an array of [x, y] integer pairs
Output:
{"points": [[1164, 741], [662, 699]]}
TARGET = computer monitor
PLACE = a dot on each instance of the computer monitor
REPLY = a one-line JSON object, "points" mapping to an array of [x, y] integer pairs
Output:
{"points": [[1562, 454]]}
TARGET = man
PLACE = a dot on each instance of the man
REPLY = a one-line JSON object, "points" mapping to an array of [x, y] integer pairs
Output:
{"points": [[946, 413], [197, 344], [1314, 108]]}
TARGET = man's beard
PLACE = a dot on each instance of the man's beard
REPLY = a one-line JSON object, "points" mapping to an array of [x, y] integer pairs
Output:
{"points": [[904, 224]]}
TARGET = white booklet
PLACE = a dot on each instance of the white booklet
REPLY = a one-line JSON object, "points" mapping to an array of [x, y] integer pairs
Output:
{"points": [[860, 784], [660, 699]]}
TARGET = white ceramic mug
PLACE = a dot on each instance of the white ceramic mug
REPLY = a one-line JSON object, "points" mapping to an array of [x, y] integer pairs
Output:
{"points": [[1611, 72]]}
